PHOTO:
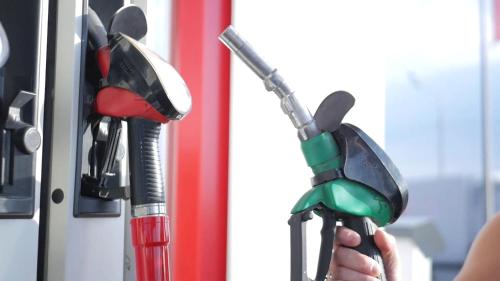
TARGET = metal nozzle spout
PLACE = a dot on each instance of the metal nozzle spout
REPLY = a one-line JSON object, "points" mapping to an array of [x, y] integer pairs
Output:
{"points": [[240, 47], [299, 115]]}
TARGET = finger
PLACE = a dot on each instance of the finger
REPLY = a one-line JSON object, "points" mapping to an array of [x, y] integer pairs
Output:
{"points": [[347, 237], [333, 265], [344, 273], [354, 260], [385, 242], [387, 245]]}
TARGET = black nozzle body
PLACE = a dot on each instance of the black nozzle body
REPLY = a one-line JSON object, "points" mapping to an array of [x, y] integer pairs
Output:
{"points": [[98, 35], [146, 179]]}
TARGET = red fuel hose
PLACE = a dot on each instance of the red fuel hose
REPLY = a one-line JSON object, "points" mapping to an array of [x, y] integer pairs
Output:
{"points": [[150, 237]]}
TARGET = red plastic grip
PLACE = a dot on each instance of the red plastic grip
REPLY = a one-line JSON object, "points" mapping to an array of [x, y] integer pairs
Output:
{"points": [[150, 237], [122, 103]]}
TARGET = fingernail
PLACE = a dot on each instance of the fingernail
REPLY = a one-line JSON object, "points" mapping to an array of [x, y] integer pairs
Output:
{"points": [[352, 237], [349, 236]]}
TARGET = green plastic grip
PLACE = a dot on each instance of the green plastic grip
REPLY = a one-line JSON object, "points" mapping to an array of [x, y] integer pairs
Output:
{"points": [[341, 195]]}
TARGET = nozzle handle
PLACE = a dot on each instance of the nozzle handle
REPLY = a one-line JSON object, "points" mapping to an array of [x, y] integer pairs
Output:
{"points": [[366, 229], [146, 179]]}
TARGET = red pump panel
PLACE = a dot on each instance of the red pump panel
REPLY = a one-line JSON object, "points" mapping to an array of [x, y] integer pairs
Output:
{"points": [[198, 145]]}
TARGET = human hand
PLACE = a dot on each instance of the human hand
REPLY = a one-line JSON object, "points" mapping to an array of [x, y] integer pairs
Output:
{"points": [[349, 264]]}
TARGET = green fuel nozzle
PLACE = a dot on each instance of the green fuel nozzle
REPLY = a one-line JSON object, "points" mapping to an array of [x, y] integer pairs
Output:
{"points": [[354, 181]]}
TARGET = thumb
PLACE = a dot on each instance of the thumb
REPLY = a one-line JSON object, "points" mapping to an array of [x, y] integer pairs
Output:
{"points": [[387, 246]]}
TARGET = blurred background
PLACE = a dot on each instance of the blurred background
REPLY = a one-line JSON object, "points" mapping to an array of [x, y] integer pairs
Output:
{"points": [[442, 117]]}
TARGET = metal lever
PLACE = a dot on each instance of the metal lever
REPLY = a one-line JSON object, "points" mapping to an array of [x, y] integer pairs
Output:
{"points": [[112, 144], [95, 184], [298, 245], [26, 137], [23, 135]]}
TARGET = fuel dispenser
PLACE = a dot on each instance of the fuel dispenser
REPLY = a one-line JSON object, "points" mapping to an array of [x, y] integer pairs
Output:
{"points": [[19, 137], [75, 72], [23, 29]]}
